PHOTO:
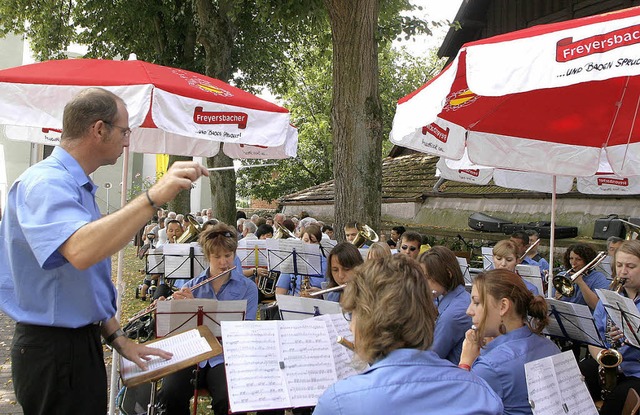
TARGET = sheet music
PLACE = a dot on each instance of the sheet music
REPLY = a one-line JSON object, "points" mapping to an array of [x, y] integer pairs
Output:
{"points": [[306, 261], [342, 356], [155, 261], [183, 346], [577, 321], [247, 253], [178, 263], [308, 360], [464, 267], [180, 315], [525, 270], [327, 245], [624, 313], [487, 258], [300, 308], [555, 386], [536, 282], [251, 356], [277, 364]]}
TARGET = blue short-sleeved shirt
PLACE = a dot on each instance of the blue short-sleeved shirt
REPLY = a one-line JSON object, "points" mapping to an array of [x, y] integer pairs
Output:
{"points": [[594, 280], [238, 287], [501, 364], [630, 355], [286, 280], [410, 381], [452, 324], [47, 204]]}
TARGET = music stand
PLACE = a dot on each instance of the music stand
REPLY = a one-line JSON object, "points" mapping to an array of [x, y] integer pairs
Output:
{"points": [[624, 313], [183, 261], [531, 273], [573, 322], [487, 258], [300, 308], [464, 267], [294, 257], [178, 316], [253, 253], [154, 261]]}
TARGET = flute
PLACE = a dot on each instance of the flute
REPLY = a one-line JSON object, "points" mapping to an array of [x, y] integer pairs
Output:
{"points": [[153, 306], [346, 343], [328, 290]]}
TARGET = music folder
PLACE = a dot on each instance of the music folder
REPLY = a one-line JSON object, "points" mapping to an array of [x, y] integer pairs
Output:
{"points": [[624, 313], [188, 348], [572, 321]]}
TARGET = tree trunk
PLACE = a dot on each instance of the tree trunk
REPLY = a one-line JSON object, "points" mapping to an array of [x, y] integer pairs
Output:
{"points": [[223, 189], [182, 202], [216, 35], [356, 113]]}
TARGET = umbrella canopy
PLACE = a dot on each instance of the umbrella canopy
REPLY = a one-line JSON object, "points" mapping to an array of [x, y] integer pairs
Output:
{"points": [[546, 99], [171, 110]]}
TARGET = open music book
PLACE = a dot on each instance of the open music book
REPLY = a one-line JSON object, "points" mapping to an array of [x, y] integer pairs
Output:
{"points": [[188, 348], [283, 364], [624, 313], [555, 387]]}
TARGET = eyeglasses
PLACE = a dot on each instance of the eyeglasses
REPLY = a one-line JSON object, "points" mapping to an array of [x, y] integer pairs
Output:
{"points": [[126, 132], [346, 315], [215, 234], [410, 248]]}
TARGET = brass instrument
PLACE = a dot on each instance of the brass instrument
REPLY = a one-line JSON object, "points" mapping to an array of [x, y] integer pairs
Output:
{"points": [[632, 231], [267, 284], [328, 290], [564, 283], [280, 232], [533, 245], [153, 306], [609, 359], [365, 233], [192, 232], [305, 287]]}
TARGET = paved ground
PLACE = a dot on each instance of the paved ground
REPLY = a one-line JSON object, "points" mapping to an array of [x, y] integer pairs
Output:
{"points": [[8, 404]]}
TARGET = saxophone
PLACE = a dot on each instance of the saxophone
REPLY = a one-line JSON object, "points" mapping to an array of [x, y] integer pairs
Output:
{"points": [[609, 359], [305, 287]]}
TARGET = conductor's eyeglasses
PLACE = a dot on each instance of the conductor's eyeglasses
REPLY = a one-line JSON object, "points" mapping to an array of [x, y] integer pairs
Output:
{"points": [[410, 248], [126, 132]]}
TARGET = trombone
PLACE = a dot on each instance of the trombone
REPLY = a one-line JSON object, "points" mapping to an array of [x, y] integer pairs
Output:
{"points": [[564, 284], [533, 245]]}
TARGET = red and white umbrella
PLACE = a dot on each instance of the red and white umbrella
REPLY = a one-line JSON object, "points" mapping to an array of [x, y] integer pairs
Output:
{"points": [[171, 110], [546, 99], [549, 99]]}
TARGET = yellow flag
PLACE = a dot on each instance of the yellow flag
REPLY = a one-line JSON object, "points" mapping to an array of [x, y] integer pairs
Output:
{"points": [[162, 164]]}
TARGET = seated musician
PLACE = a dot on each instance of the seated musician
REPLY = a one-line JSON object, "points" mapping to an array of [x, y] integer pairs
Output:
{"points": [[575, 258], [505, 256], [504, 309], [627, 265], [290, 284], [343, 258], [219, 245], [452, 299], [533, 253], [392, 319], [522, 243], [378, 250]]}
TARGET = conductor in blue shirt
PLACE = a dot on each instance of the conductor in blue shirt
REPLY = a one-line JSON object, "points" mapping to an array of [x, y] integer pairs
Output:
{"points": [[392, 315], [55, 261]]}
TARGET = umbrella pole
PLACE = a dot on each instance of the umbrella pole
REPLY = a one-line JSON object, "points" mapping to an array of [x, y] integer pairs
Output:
{"points": [[119, 288], [552, 241]]}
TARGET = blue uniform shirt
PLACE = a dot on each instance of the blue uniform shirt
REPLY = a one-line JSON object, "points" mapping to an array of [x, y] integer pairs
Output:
{"points": [[630, 365], [46, 205], [285, 280], [410, 381], [452, 324], [594, 280], [501, 364], [238, 287]]}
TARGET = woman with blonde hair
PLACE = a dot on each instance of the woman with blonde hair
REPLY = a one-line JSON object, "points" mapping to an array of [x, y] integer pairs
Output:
{"points": [[452, 299], [378, 250], [505, 256], [504, 309], [392, 318]]}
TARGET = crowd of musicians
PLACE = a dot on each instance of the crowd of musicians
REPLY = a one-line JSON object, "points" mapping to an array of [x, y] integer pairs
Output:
{"points": [[425, 335]]}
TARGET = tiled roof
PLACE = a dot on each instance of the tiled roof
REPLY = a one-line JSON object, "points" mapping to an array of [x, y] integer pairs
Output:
{"points": [[409, 177]]}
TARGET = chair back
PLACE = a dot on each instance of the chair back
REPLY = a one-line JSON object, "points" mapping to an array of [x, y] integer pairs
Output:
{"points": [[632, 403]]}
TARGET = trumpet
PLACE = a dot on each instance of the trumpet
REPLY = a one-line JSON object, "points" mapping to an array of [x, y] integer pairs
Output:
{"points": [[153, 306], [564, 284], [328, 290]]}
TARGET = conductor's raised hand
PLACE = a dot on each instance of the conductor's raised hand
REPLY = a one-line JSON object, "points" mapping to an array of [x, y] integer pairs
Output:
{"points": [[180, 176]]}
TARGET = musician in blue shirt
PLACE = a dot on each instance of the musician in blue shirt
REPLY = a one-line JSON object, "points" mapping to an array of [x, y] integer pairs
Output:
{"points": [[452, 299], [342, 260], [576, 257], [55, 261], [504, 309], [289, 283], [392, 317], [219, 245], [505, 256], [627, 265]]}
